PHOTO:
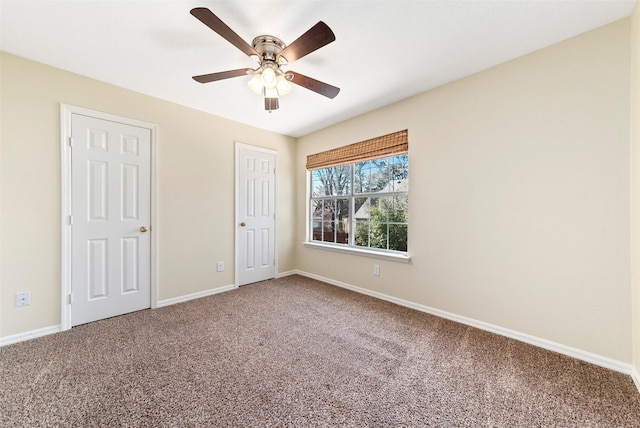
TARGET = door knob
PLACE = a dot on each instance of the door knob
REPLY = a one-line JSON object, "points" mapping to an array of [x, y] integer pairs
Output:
{"points": [[243, 224], [143, 229]]}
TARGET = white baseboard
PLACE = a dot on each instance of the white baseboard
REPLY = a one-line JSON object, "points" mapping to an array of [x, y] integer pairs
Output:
{"points": [[187, 297], [27, 335], [287, 273], [635, 375], [579, 354]]}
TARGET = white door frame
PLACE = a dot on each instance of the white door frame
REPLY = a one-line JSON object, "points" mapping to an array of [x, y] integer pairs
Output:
{"points": [[66, 111], [237, 208]]}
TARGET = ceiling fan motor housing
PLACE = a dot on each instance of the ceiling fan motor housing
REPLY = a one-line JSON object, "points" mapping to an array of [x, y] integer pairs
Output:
{"points": [[268, 47]]}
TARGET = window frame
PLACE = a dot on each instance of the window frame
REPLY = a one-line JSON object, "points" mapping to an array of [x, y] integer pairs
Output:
{"points": [[351, 195]]}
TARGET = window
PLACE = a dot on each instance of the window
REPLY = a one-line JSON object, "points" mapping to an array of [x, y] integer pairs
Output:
{"points": [[364, 203]]}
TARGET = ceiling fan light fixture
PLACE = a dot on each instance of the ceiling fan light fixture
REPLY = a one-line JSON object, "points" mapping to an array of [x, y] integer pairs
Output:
{"points": [[269, 78], [283, 86], [255, 84], [269, 82], [271, 92]]}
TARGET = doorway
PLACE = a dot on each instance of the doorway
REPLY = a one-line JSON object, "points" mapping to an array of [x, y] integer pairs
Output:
{"points": [[255, 214], [108, 227]]}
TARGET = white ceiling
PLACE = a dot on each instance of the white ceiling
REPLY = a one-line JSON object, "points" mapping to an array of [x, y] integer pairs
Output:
{"points": [[384, 50]]}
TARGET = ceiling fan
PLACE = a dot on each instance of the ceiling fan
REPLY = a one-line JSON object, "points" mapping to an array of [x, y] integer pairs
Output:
{"points": [[272, 77]]}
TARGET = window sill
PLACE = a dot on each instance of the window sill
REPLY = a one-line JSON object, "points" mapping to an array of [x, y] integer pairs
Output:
{"points": [[400, 258]]}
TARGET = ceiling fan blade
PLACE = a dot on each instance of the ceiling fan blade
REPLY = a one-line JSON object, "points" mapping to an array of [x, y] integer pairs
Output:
{"points": [[315, 38], [210, 20], [212, 77], [314, 85]]}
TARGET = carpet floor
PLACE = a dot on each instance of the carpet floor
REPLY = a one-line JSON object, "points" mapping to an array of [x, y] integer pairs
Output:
{"points": [[298, 352]]}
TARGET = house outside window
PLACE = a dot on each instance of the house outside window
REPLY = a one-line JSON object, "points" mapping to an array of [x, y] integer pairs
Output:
{"points": [[364, 203]]}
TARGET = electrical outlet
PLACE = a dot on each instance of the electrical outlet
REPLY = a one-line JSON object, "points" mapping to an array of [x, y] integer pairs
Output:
{"points": [[376, 270], [220, 266], [23, 298]]}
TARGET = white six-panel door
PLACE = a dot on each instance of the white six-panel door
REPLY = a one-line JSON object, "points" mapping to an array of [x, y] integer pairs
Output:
{"points": [[256, 179], [111, 214]]}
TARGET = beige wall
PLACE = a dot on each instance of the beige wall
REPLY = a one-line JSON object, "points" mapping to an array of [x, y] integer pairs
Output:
{"points": [[195, 183], [519, 196], [635, 185]]}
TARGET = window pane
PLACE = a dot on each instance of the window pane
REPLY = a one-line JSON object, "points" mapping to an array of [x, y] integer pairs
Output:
{"points": [[380, 208], [378, 235], [328, 215], [380, 176], [342, 234], [317, 230], [342, 210], [361, 177], [398, 237], [399, 167], [342, 221], [387, 225], [328, 235], [399, 173], [361, 217], [361, 238], [399, 213], [316, 209], [400, 185], [316, 220], [361, 207], [383, 175], [332, 225], [332, 181]]}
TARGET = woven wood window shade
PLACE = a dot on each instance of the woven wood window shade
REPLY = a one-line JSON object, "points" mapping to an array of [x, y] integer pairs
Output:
{"points": [[387, 145]]}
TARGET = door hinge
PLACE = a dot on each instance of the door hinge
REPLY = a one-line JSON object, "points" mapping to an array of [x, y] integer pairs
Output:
{"points": [[70, 298], [70, 141], [70, 219]]}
